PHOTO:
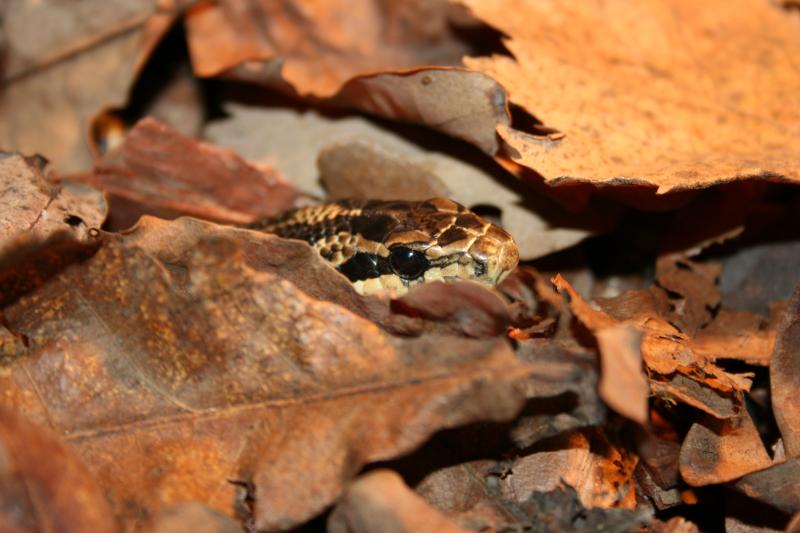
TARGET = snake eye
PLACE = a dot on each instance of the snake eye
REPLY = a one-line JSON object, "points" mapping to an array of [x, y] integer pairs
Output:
{"points": [[408, 263]]}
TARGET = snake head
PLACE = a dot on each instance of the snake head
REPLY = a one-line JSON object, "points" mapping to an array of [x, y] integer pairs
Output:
{"points": [[440, 240], [395, 245]]}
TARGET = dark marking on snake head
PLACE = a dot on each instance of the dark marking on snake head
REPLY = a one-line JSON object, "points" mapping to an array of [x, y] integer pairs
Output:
{"points": [[469, 221], [373, 227], [451, 235]]}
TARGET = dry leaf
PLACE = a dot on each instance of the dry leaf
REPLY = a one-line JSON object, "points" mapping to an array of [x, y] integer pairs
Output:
{"points": [[64, 63], [362, 170], [784, 372], [43, 487], [675, 370], [599, 471], [193, 517], [722, 451], [315, 48], [380, 501], [737, 335], [776, 486], [675, 524], [157, 170], [561, 511], [464, 104], [623, 384], [34, 208], [144, 389], [463, 308], [665, 95], [467, 494]]}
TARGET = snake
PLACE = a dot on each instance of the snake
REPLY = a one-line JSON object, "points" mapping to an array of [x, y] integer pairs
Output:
{"points": [[393, 245]]}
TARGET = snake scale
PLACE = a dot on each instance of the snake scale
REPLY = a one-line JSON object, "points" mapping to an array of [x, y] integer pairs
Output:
{"points": [[395, 245]]}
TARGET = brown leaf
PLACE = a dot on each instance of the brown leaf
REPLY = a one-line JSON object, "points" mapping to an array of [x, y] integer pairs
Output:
{"points": [[466, 493], [224, 372], [675, 370], [623, 384], [562, 405], [193, 517], [64, 62], [361, 170], [465, 308], [43, 487], [157, 170], [314, 47], [678, 387], [34, 208], [631, 113], [599, 471], [676, 524], [722, 451], [692, 291], [380, 501], [776, 486], [739, 335], [784, 374], [29, 262], [464, 104]]}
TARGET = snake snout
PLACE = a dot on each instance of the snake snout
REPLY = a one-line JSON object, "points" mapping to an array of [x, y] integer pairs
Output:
{"points": [[498, 254]]}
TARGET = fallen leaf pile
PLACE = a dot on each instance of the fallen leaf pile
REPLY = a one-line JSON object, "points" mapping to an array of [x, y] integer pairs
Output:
{"points": [[163, 369]]}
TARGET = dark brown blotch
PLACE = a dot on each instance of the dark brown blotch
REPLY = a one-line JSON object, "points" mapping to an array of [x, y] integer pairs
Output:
{"points": [[452, 235], [469, 221]]}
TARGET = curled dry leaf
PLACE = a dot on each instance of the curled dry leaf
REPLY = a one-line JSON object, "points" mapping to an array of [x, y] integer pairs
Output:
{"points": [[464, 104], [380, 501], [623, 384], [674, 369], [314, 48], [220, 372], [722, 450], [784, 374], [43, 486], [664, 95], [158, 170], [467, 494]]}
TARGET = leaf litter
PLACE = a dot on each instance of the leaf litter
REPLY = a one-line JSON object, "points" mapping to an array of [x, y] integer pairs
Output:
{"points": [[161, 372]]}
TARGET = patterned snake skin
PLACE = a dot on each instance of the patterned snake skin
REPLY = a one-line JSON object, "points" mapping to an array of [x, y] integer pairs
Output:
{"points": [[394, 245]]}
